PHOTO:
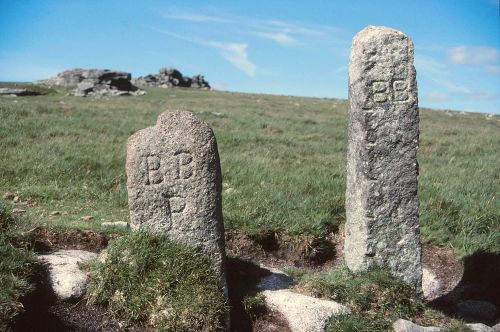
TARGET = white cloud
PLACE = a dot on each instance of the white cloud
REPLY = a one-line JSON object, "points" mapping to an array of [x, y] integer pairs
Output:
{"points": [[492, 69], [236, 54], [473, 55], [438, 73], [283, 33], [197, 18], [279, 37], [437, 96], [481, 95]]}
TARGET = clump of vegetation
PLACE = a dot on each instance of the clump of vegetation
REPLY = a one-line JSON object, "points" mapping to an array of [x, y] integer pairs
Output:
{"points": [[375, 297], [16, 267], [255, 306], [149, 280]]}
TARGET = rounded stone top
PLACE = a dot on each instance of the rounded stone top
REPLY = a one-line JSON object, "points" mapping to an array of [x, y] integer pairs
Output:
{"points": [[376, 31], [184, 120]]}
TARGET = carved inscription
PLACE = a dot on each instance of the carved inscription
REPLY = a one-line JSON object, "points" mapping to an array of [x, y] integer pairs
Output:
{"points": [[384, 91], [169, 176], [180, 168]]}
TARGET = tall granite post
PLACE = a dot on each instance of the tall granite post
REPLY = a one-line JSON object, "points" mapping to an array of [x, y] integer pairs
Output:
{"points": [[382, 227], [174, 184]]}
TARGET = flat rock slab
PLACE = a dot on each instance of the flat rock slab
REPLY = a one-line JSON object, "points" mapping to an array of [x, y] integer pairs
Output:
{"points": [[303, 313], [67, 280]]}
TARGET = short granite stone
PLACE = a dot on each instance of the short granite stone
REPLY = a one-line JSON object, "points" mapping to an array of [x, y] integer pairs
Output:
{"points": [[303, 313], [382, 226], [174, 184], [67, 280]]}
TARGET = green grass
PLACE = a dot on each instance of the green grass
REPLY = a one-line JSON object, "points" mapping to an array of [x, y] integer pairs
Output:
{"points": [[283, 161], [145, 279], [16, 266]]}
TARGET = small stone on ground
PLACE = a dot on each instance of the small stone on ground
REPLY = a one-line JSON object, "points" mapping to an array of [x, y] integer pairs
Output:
{"points": [[303, 313], [67, 280], [114, 224]]}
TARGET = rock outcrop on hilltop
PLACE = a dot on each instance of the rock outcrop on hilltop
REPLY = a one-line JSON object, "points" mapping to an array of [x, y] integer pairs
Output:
{"points": [[96, 82], [171, 77]]}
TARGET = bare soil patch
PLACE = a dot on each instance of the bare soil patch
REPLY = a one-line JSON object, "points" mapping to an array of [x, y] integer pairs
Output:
{"points": [[276, 250], [47, 240]]}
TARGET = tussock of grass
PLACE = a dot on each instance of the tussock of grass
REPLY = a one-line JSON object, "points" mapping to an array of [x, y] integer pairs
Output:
{"points": [[255, 306], [16, 267], [376, 299], [146, 279]]}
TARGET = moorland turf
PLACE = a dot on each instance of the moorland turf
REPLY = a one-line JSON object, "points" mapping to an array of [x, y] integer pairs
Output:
{"points": [[283, 162]]}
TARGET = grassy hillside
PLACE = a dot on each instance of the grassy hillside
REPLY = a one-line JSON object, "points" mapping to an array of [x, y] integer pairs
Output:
{"points": [[283, 162]]}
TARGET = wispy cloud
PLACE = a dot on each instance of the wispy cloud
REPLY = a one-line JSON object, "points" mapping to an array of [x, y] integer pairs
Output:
{"points": [[279, 37], [473, 55], [234, 53], [197, 18], [283, 33], [437, 96], [438, 73], [492, 69], [482, 95]]}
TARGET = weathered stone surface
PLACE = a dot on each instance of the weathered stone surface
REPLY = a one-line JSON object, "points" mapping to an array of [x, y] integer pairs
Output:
{"points": [[381, 199], [303, 313], [174, 184], [96, 82], [171, 77], [402, 325], [67, 280]]}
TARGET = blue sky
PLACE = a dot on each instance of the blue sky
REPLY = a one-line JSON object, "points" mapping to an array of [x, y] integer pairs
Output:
{"points": [[279, 47]]}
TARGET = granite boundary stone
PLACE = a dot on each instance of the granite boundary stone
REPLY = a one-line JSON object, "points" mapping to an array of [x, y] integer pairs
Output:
{"points": [[382, 223]]}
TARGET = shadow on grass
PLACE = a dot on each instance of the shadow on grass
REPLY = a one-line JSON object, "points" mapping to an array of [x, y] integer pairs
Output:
{"points": [[37, 315], [480, 282], [242, 277]]}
